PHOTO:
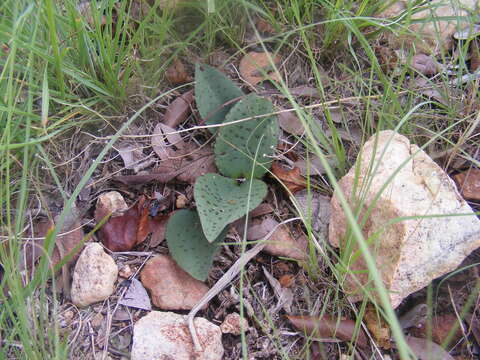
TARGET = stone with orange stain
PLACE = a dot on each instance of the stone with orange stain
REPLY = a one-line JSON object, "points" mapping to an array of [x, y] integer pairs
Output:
{"points": [[171, 288]]}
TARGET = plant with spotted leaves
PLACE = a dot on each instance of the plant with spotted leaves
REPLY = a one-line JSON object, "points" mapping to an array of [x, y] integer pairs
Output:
{"points": [[244, 147]]}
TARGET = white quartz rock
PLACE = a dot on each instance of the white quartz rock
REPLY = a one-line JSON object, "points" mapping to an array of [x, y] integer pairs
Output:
{"points": [[403, 181]]}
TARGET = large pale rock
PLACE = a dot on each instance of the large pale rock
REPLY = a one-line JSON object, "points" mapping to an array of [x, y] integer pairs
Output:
{"points": [[94, 276], [165, 335], [434, 26], [171, 287], [408, 253]]}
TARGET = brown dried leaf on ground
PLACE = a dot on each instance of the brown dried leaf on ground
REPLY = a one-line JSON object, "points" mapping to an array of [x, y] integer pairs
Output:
{"points": [[264, 27], [328, 327], [378, 327], [283, 294], [122, 233], [167, 143], [132, 155], [254, 64], [468, 183], [442, 326], [282, 242], [170, 286], [426, 349], [425, 64], [179, 110], [290, 123], [65, 243], [188, 167], [136, 296], [177, 74], [292, 179]]}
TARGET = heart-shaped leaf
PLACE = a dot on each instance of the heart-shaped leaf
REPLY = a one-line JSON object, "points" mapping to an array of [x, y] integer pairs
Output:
{"points": [[212, 91], [188, 245], [221, 200], [249, 144]]}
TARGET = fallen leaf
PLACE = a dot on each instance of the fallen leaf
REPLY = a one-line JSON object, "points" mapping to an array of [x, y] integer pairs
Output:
{"points": [[131, 154], [292, 179], [179, 110], [474, 56], [167, 143], [177, 74], [441, 326], [469, 184], [120, 233], [136, 296], [286, 280], [414, 317], [254, 64], [327, 327], [157, 226], [264, 26], [305, 91], [123, 232], [315, 207], [290, 123], [425, 64], [314, 165], [188, 167], [281, 243], [262, 209], [378, 327], [143, 227], [427, 350], [284, 295]]}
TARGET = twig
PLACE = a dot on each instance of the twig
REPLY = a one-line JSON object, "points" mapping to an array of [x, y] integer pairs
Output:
{"points": [[227, 279]]}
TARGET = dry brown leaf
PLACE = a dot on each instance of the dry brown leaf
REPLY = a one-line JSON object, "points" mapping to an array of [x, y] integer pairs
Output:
{"points": [[177, 74], [187, 168], [286, 280], [378, 327], [157, 226], [265, 27], [427, 350], [281, 243], [327, 327], [474, 56], [468, 183], [290, 123], [136, 296], [254, 64], [284, 295], [441, 327], [167, 143], [305, 91], [292, 179], [120, 233], [66, 241], [425, 64], [179, 110]]}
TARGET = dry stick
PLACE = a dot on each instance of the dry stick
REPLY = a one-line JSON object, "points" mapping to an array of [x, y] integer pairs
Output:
{"points": [[227, 279]]}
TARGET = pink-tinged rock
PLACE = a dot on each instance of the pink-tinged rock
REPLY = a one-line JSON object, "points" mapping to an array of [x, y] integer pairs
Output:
{"points": [[171, 288], [94, 276], [395, 179], [165, 335]]}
